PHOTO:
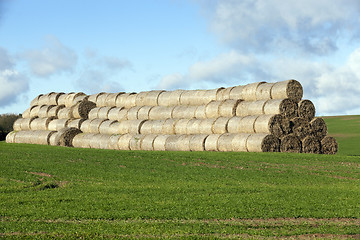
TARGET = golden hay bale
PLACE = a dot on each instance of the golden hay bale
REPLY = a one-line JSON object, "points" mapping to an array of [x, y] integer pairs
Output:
{"points": [[209, 95], [262, 142], [54, 97], [157, 126], [80, 141], [192, 97], [200, 112], [329, 145], [94, 126], [236, 93], [132, 114], [144, 112], [70, 98], [211, 142], [160, 142], [184, 111], [54, 111], [81, 98], [43, 111], [135, 142], [22, 137], [311, 144], [57, 124], [291, 89], [34, 112], [220, 125], [178, 143], [101, 99], [65, 136], [10, 137], [147, 142], [301, 127], [85, 126], [113, 142], [41, 137], [239, 142], [171, 98], [21, 124], [35, 101], [104, 112], [124, 142], [276, 125], [248, 93], [111, 99], [225, 142], [193, 126], [247, 108], [228, 107], [152, 98], [263, 92], [93, 114], [234, 124], [134, 126], [118, 114], [160, 112], [224, 94], [146, 127], [17, 124], [130, 101], [104, 141], [94, 140], [122, 100], [44, 100], [40, 123], [93, 98], [212, 109], [319, 127], [197, 142], [140, 99], [26, 113], [65, 113], [169, 126], [105, 127], [181, 126], [290, 143], [76, 123], [206, 126], [286, 107], [306, 109], [247, 124], [82, 108], [62, 99]]}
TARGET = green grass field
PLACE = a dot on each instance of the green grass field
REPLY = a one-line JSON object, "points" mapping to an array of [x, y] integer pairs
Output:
{"points": [[57, 192]]}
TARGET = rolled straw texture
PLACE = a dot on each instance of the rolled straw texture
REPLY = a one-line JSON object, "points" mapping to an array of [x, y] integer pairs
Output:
{"points": [[43, 111], [93, 98], [113, 142], [291, 89], [276, 125], [184, 112], [262, 142], [41, 137], [124, 142], [286, 107], [44, 99], [65, 136], [101, 100], [178, 143], [81, 141], [57, 124], [135, 126], [104, 141], [82, 108], [103, 112], [311, 144], [306, 109], [239, 142], [209, 95], [329, 145], [141, 98], [62, 99], [22, 124], [105, 127], [135, 141], [54, 111], [248, 93], [234, 124], [212, 109], [66, 113], [171, 98], [192, 97], [228, 107], [157, 127], [40, 123], [76, 123], [290, 143], [54, 97], [152, 98], [94, 140], [225, 142], [70, 98], [22, 137], [94, 126], [193, 126], [17, 124], [319, 127], [211, 142], [224, 94], [236, 93], [206, 126], [85, 126], [200, 112], [132, 114], [301, 127], [147, 142], [160, 142], [197, 142], [247, 108], [35, 101], [160, 112], [118, 114], [263, 92], [123, 101], [144, 112], [247, 124], [10, 137], [181, 126], [111, 99], [26, 113], [220, 125], [146, 127], [34, 112]]}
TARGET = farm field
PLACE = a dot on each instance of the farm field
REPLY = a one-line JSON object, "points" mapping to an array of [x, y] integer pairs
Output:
{"points": [[57, 192]]}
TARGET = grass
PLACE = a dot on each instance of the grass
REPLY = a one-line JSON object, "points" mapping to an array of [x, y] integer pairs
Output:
{"points": [[48, 192]]}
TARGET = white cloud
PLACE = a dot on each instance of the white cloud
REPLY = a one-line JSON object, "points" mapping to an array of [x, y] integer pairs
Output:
{"points": [[13, 85], [6, 61]]}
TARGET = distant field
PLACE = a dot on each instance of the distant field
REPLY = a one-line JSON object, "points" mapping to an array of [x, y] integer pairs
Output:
{"points": [[48, 192]]}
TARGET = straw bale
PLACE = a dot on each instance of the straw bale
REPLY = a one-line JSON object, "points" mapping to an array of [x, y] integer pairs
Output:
{"points": [[140, 99], [169, 126], [276, 125], [65, 113], [160, 142], [111, 99], [85, 126], [26, 113], [228, 107], [34, 112], [209, 95], [291, 89], [17, 124], [57, 124], [93, 98], [178, 143], [120, 127], [80, 141], [236, 93], [10, 137], [101, 100], [212, 109], [93, 114], [43, 100], [94, 140], [62, 99], [286, 107], [40, 123], [132, 114], [171, 98], [118, 114], [65, 136], [306, 109], [103, 112], [23, 124], [82, 109], [234, 124], [113, 142], [263, 92], [81, 98], [192, 97], [104, 141], [144, 112], [43, 111], [220, 125], [135, 126], [329, 145], [54, 111], [239, 142], [94, 126], [200, 112], [181, 126], [319, 127], [70, 98], [41, 137], [311, 144], [301, 127], [224, 94], [76, 123], [247, 124], [248, 93], [152, 98], [193, 126], [206, 126], [135, 141], [130, 101], [126, 100], [147, 142], [247, 108], [157, 127], [54, 97], [22, 137], [211, 142], [290, 143], [262, 142], [35, 101], [197, 142], [184, 111], [146, 127], [124, 142], [105, 127], [160, 112], [225, 142]]}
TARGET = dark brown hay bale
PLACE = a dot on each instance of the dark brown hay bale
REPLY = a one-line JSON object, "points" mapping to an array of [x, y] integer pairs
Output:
{"points": [[94, 97], [104, 112], [81, 109], [234, 124], [225, 142], [290, 143], [291, 89], [228, 107], [111, 99], [57, 124], [101, 100], [319, 127], [160, 112], [193, 126], [181, 126], [126, 100], [160, 142], [239, 142], [329, 145], [276, 125], [306, 109], [105, 127], [301, 127], [224, 94], [247, 108], [211, 142], [76, 123], [118, 114], [54, 111], [286, 107], [263, 92], [147, 142], [10, 137], [200, 112], [40, 123], [220, 125], [169, 126], [184, 111], [35, 101], [212, 109], [144, 112], [171, 98], [206, 126], [135, 141], [197, 142], [236, 93], [34, 112], [132, 114], [247, 124], [262, 142], [65, 136], [311, 144], [248, 93], [65, 113], [124, 142]]}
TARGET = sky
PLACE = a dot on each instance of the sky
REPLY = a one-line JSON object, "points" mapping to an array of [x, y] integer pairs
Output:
{"points": [[140, 45]]}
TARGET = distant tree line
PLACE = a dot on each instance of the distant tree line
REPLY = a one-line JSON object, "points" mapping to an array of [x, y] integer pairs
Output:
{"points": [[6, 124]]}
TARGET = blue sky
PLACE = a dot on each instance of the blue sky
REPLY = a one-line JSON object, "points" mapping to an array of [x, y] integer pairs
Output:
{"points": [[139, 45]]}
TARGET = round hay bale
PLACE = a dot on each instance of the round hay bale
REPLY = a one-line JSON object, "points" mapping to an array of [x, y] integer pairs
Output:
{"points": [[94, 140], [75, 123], [10, 137], [94, 126], [135, 142], [93, 98], [262, 142], [34, 112], [80, 98], [311, 144], [26, 123], [160, 142], [178, 143], [70, 98], [193, 126], [65, 136], [65, 113], [239, 142], [206, 126], [113, 142], [169, 126], [197, 142], [130, 101], [105, 127], [290, 143], [147, 142], [140, 99], [160, 112], [17, 124], [135, 126], [43, 111], [234, 124], [211, 142], [247, 124], [41, 137], [40, 123], [157, 126], [171, 98], [82, 108], [132, 114], [245, 108], [200, 112], [124, 142], [104, 112], [228, 107], [111, 99], [22, 137], [44, 99], [236, 93], [122, 100], [54, 111], [225, 142], [54, 97], [276, 125], [212, 109], [306, 109], [192, 97], [329, 145], [146, 127], [62, 99], [35, 101], [118, 114], [26, 113], [220, 125], [248, 93], [104, 141], [224, 94], [181, 126], [80, 141], [319, 127], [101, 99], [57, 124], [291, 89], [286, 107], [184, 112], [263, 91], [152, 98], [85, 126], [144, 112], [301, 127], [121, 127], [209, 95]]}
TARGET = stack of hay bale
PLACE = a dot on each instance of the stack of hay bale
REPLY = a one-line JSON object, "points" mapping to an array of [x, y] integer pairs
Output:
{"points": [[257, 117]]}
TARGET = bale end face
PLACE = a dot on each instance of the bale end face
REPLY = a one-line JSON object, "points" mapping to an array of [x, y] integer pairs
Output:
{"points": [[329, 145]]}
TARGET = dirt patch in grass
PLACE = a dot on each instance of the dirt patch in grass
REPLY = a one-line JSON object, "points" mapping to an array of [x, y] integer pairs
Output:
{"points": [[41, 174]]}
